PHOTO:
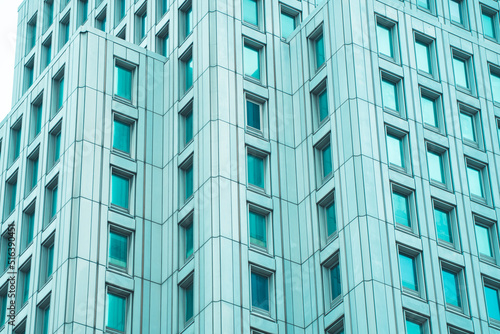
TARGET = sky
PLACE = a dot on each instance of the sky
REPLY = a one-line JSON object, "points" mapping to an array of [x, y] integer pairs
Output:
{"points": [[8, 31]]}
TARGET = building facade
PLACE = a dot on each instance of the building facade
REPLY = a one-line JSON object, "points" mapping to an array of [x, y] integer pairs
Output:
{"points": [[252, 166]]}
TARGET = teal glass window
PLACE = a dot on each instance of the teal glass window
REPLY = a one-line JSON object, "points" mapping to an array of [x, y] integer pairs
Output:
{"points": [[28, 75], [335, 286], [189, 302], [116, 312], [460, 69], [57, 146], [188, 131], [390, 94], [260, 291], [429, 111], [16, 142], [456, 11], [164, 6], [143, 25], [425, 4], [474, 176], [120, 191], [495, 85], [326, 160], [443, 225], [251, 12], [253, 115], [34, 172], [401, 209], [3, 311], [483, 240], [188, 73], [59, 86], [120, 10], [408, 269], [188, 20], [189, 240], [121, 136], [31, 35], [45, 320], [47, 50], [287, 24], [101, 22], [123, 82], [118, 250], [30, 220], [488, 19], [258, 229], [189, 182], [164, 44], [423, 55], [255, 170], [50, 260], [451, 285], [414, 327], [319, 49], [331, 219], [323, 105], [38, 119], [49, 13], [492, 302], [11, 195], [468, 129], [251, 57], [436, 167], [26, 287], [385, 40], [65, 32], [53, 202], [395, 151]]}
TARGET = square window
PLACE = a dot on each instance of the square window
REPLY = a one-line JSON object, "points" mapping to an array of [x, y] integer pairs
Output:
{"points": [[121, 186], [492, 298], [431, 107], [327, 218], [101, 19], [118, 249], [486, 239], [186, 180], [54, 142], [403, 208], [83, 11], [446, 226], [187, 71], [162, 41], [141, 26], [454, 287], [289, 18], [324, 165], [117, 310], [186, 128], [333, 286], [256, 169], [317, 42], [489, 18], [425, 55], [186, 238], [256, 122], [458, 12], [438, 166], [463, 71], [250, 10], [10, 198], [386, 38], [260, 290], [319, 99], [57, 91], [185, 20], [46, 53], [47, 260], [31, 34], [186, 301], [397, 149], [478, 180], [32, 170], [48, 12], [411, 271], [51, 201], [28, 228], [259, 223], [15, 140], [392, 93], [29, 73], [416, 324], [124, 76], [120, 8], [123, 129], [470, 124], [252, 60], [43, 316], [23, 285], [64, 31]]}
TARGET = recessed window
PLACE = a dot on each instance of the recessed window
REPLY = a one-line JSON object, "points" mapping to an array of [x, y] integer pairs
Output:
{"points": [[118, 250], [122, 34], [121, 185], [185, 20], [47, 260], [32, 170], [462, 69], [332, 279], [319, 99], [454, 287], [186, 71], [15, 140], [186, 301], [119, 11], [46, 53], [495, 83], [337, 327], [252, 60], [250, 10], [64, 31], [48, 12], [124, 74], [29, 73], [186, 180], [470, 124], [83, 11], [21, 328], [458, 12], [116, 312], [403, 207], [57, 91], [489, 18], [122, 134], [43, 316], [51, 200], [259, 227], [492, 297], [10, 198], [186, 238], [36, 117], [416, 324], [23, 285], [431, 107], [31, 34], [255, 119], [425, 5], [28, 229], [141, 18], [289, 19], [438, 166], [101, 20], [317, 41], [397, 149], [54, 149], [162, 7], [256, 169], [486, 239], [478, 180], [425, 55], [3, 305], [327, 217], [162, 41], [7, 261], [186, 128], [261, 283], [324, 165], [391, 93], [386, 37], [446, 226], [411, 271]]}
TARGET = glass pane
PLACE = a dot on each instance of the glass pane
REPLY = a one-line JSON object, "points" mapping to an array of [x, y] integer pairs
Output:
{"points": [[189, 240], [189, 182], [331, 220], [57, 148], [320, 50], [34, 175], [250, 12], [251, 59], [189, 21], [253, 115], [443, 225], [118, 250], [495, 87], [335, 281], [143, 25], [451, 288], [50, 261], [3, 312], [326, 157], [260, 291], [26, 287], [123, 82], [395, 151], [483, 240], [13, 197], [46, 317], [189, 73], [401, 209], [121, 9], [287, 25], [423, 55], [390, 95], [116, 312], [323, 105], [255, 171], [460, 70], [467, 125], [424, 4], [258, 235], [121, 136], [17, 143], [456, 11], [435, 164], [413, 327], [120, 191], [38, 121], [189, 128], [429, 112], [53, 203], [475, 182], [384, 39], [492, 302], [60, 93], [31, 228], [488, 25], [164, 46], [189, 302], [408, 272]]}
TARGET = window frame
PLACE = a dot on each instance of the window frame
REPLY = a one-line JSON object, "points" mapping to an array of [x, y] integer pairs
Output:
{"points": [[260, 16], [131, 193], [467, 59], [163, 39], [29, 212], [392, 27], [120, 11], [187, 282], [267, 214], [494, 285], [432, 7], [24, 269], [184, 167], [453, 224], [132, 68], [412, 214], [337, 327], [430, 43], [112, 228], [31, 33], [52, 160], [33, 158], [16, 140], [319, 148], [445, 164], [64, 30], [184, 225], [184, 60], [42, 307], [331, 262], [322, 205], [290, 12], [485, 180], [270, 280], [46, 53], [141, 23], [185, 9], [184, 114], [132, 124], [494, 70], [262, 103], [265, 157], [10, 194], [48, 14], [397, 82], [491, 226], [436, 97], [261, 52], [462, 282], [45, 277], [57, 82], [475, 115], [402, 136], [463, 14], [493, 14], [83, 11], [101, 19], [416, 256], [49, 198], [317, 33], [29, 74], [119, 292], [316, 92], [416, 319]]}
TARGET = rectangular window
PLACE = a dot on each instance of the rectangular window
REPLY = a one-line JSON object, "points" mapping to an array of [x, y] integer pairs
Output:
{"points": [[489, 18], [120, 189], [120, 9], [83, 11], [425, 5], [386, 37], [46, 53], [391, 93], [454, 287], [333, 285], [403, 207], [48, 9], [438, 166], [15, 140], [51, 200], [162, 6], [397, 149], [3, 305], [58, 91], [416, 324], [425, 55], [124, 74], [458, 12], [255, 114], [250, 10], [117, 310], [186, 238], [43, 316], [258, 221], [252, 60], [327, 217], [495, 83], [118, 249], [186, 180], [492, 297], [7, 261], [317, 41], [260, 280], [477, 177], [47, 260], [256, 169], [32, 171], [122, 134], [64, 31], [101, 19], [141, 18], [470, 124], [462, 69], [186, 66], [337, 327], [10, 198], [23, 285], [486, 239], [29, 73], [162, 41], [319, 99], [28, 229], [431, 107], [186, 301], [289, 19], [446, 227], [324, 165], [31, 34], [411, 271], [186, 129], [54, 153], [185, 20]]}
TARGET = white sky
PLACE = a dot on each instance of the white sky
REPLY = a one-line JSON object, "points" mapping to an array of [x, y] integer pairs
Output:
{"points": [[8, 33]]}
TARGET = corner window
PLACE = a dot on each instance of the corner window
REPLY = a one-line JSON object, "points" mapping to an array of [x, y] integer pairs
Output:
{"points": [[454, 287], [123, 128], [425, 55], [259, 221], [403, 208], [57, 91], [252, 60], [250, 10], [51, 200], [117, 310], [317, 41], [118, 250], [489, 18], [397, 150], [458, 12], [492, 297], [289, 18], [54, 149], [32, 170], [463, 71], [186, 128], [119, 11], [101, 20], [446, 226], [121, 186], [28, 229], [23, 284], [386, 38], [327, 218], [64, 31], [486, 239], [186, 301], [438, 166], [10, 198], [124, 74], [186, 238], [256, 169], [261, 284], [392, 93], [46, 53], [416, 324], [324, 165], [186, 180], [47, 260], [185, 20], [431, 107], [162, 41], [186, 71], [333, 286], [478, 180]]}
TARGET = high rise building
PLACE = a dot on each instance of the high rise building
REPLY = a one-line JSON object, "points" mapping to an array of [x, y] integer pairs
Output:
{"points": [[252, 166]]}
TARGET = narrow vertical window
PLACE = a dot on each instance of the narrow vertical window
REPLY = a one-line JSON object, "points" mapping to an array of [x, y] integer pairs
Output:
{"points": [[186, 129], [118, 250], [29, 73], [333, 282], [252, 60], [446, 226], [396, 150], [185, 20], [43, 316], [438, 166], [403, 207], [10, 198], [46, 53], [162, 41], [23, 291], [120, 190], [430, 104], [83, 11], [327, 217], [57, 92], [122, 134], [477, 177], [391, 96], [324, 163], [27, 231], [116, 311], [425, 55], [458, 12], [453, 286], [3, 305], [260, 291], [141, 18], [48, 8], [288, 18], [486, 239], [492, 296], [318, 49], [32, 171], [489, 18], [54, 153], [416, 324], [258, 220], [186, 180], [462, 69], [495, 83], [47, 261], [386, 31], [31, 34], [119, 11], [256, 169], [101, 20], [251, 12], [187, 74], [64, 31], [123, 81], [186, 301], [51, 200]]}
